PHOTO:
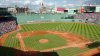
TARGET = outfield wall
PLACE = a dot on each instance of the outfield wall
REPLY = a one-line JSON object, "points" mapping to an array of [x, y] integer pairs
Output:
{"points": [[23, 18]]}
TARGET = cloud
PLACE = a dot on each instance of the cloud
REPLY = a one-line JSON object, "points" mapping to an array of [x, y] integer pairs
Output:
{"points": [[17, 1], [64, 5], [7, 0], [37, 2], [64, 1], [49, 4], [0, 3], [27, 2], [70, 4]]}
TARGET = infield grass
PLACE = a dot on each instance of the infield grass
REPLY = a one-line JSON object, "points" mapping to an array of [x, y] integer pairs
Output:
{"points": [[53, 42]]}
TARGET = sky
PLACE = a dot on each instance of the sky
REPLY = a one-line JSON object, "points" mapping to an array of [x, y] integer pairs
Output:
{"points": [[34, 4]]}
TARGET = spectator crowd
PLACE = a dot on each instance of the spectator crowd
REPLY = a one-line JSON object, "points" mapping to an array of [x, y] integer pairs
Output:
{"points": [[7, 25], [88, 16]]}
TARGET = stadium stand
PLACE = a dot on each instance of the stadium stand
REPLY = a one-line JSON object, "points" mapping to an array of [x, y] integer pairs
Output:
{"points": [[7, 22], [88, 16], [92, 16], [7, 25]]}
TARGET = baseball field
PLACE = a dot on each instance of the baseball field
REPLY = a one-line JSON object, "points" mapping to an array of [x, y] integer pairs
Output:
{"points": [[66, 39]]}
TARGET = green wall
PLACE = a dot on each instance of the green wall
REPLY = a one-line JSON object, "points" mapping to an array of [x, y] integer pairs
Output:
{"points": [[23, 18]]}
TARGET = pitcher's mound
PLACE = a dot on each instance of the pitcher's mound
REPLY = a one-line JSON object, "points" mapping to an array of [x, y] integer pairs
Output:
{"points": [[43, 40]]}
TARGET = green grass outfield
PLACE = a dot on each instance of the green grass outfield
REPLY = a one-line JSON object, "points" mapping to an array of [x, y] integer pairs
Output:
{"points": [[72, 51], [12, 41], [89, 31]]}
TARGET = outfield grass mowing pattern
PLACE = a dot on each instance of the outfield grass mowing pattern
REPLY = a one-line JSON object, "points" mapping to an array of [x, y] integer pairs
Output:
{"points": [[89, 31], [12, 41], [73, 51], [10, 44], [53, 41], [39, 26]]}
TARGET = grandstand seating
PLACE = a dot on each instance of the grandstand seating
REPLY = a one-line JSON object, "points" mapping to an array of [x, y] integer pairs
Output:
{"points": [[88, 16], [7, 24]]}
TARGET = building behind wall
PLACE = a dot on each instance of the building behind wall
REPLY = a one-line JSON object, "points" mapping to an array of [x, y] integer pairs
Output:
{"points": [[59, 10], [72, 11], [89, 9], [22, 9], [98, 9]]}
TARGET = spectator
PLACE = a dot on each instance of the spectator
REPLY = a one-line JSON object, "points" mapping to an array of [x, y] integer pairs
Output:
{"points": [[7, 25]]}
